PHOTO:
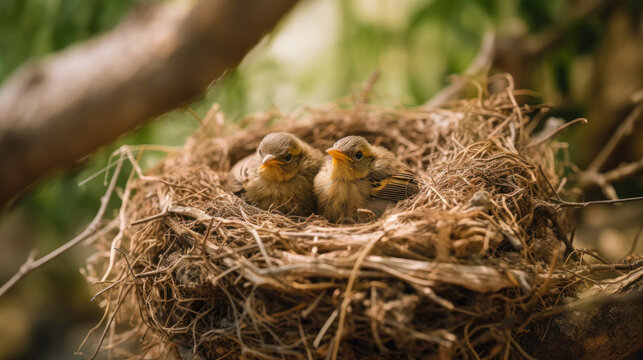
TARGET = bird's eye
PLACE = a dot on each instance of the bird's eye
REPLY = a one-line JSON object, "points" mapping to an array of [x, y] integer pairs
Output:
{"points": [[359, 155], [289, 157]]}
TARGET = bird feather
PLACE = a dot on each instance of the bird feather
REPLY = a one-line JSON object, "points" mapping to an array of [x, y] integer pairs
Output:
{"points": [[242, 172], [394, 187]]}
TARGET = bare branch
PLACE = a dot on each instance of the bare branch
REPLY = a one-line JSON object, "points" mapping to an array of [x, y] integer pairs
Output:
{"points": [[593, 177], [624, 171], [89, 232], [56, 111], [556, 131], [586, 203], [625, 129]]}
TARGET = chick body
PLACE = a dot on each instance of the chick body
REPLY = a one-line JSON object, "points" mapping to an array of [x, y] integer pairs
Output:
{"points": [[294, 196], [280, 174], [340, 199], [361, 176]]}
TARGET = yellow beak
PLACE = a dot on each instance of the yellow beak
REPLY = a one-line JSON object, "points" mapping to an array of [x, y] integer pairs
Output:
{"points": [[270, 161], [338, 154]]}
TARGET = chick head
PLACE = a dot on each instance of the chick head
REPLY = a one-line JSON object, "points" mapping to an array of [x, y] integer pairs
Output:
{"points": [[280, 155], [353, 158]]}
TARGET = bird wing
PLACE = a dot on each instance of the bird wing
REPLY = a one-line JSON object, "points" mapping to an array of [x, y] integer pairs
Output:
{"points": [[395, 186], [241, 172]]}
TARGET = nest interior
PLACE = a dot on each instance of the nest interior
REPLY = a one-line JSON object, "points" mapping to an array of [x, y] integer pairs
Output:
{"points": [[456, 271]]}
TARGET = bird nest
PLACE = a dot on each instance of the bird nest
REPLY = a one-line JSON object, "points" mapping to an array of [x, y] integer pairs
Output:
{"points": [[196, 272]]}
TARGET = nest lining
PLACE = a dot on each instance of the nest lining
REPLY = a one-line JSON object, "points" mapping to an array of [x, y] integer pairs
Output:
{"points": [[207, 275]]}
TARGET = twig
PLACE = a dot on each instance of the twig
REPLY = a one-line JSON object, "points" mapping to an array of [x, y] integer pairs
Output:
{"points": [[592, 175], [347, 293], [111, 286], [556, 131], [325, 327], [551, 187], [196, 116], [545, 286], [593, 301], [468, 341], [132, 148], [109, 323], [365, 94], [201, 215], [586, 203], [625, 129], [374, 330], [205, 238], [309, 353], [614, 267], [125, 197], [150, 218], [623, 171], [89, 232], [586, 252], [262, 248], [633, 247], [93, 329]]}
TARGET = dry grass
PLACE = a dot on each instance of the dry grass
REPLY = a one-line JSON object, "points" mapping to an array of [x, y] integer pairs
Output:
{"points": [[457, 271]]}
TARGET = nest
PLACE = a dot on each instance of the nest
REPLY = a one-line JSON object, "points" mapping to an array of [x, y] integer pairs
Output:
{"points": [[457, 270]]}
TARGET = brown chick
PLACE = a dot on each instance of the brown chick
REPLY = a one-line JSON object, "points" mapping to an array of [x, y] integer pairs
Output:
{"points": [[280, 174], [361, 176]]}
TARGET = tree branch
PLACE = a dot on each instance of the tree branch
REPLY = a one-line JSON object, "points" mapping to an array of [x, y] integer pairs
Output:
{"points": [[593, 177], [54, 112]]}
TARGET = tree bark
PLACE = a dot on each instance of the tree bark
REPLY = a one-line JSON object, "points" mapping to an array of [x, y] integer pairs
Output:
{"points": [[58, 110]]}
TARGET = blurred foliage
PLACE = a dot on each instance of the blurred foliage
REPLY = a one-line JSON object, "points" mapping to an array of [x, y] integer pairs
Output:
{"points": [[323, 51]]}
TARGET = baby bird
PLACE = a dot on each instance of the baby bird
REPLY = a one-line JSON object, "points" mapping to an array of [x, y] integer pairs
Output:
{"points": [[280, 174], [361, 175]]}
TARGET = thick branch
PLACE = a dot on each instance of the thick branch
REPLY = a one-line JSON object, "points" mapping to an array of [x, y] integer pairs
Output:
{"points": [[56, 111]]}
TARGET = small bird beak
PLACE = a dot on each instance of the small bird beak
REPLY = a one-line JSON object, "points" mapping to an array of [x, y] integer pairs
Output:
{"points": [[338, 154], [270, 160]]}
